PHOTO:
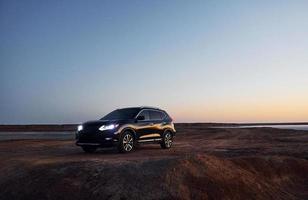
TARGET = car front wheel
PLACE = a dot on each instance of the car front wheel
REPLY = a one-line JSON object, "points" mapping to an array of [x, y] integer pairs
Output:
{"points": [[126, 143]]}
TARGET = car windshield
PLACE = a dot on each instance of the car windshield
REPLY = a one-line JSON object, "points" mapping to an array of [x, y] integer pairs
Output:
{"points": [[126, 113]]}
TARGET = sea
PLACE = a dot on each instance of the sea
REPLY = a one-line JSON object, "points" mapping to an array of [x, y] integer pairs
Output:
{"points": [[294, 127]]}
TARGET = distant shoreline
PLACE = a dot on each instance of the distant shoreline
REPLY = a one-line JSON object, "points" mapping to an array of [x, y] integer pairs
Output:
{"points": [[72, 127]]}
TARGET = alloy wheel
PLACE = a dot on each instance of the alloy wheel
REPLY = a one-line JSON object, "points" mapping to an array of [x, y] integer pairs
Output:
{"points": [[168, 140], [128, 142]]}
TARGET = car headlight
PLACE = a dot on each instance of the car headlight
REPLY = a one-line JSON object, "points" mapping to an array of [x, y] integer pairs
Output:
{"points": [[79, 128], [108, 127]]}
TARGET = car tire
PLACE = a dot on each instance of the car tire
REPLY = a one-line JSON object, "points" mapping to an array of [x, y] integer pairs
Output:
{"points": [[167, 140], [89, 149], [126, 142]]}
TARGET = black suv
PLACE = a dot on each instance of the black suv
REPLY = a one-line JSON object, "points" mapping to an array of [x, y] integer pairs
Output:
{"points": [[125, 128]]}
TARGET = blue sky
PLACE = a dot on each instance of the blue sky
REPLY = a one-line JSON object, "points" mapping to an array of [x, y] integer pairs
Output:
{"points": [[223, 61]]}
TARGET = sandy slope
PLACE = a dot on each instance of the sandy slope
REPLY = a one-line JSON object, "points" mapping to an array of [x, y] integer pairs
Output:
{"points": [[259, 163]]}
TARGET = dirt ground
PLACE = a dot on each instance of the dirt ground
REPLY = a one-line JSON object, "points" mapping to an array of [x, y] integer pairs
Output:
{"points": [[204, 163]]}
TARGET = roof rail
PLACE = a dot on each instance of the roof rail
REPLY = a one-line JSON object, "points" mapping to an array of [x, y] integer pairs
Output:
{"points": [[151, 107]]}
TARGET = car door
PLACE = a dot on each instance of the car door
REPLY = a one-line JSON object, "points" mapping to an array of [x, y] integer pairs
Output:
{"points": [[143, 127], [156, 120]]}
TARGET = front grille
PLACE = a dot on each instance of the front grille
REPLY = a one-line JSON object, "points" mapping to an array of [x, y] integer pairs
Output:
{"points": [[89, 129]]}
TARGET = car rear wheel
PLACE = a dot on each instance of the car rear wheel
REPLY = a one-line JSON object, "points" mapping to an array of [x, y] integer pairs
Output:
{"points": [[166, 142], [89, 149], [126, 143]]}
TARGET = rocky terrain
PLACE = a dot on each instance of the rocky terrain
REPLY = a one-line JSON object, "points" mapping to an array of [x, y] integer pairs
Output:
{"points": [[204, 163]]}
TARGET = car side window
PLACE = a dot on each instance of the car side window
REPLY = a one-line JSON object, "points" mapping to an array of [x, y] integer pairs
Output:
{"points": [[146, 115], [155, 115], [162, 115]]}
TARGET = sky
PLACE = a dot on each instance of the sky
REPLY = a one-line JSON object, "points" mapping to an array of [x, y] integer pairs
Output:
{"points": [[202, 61]]}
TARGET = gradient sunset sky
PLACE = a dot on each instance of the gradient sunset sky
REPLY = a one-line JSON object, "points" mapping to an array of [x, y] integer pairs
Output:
{"points": [[203, 61]]}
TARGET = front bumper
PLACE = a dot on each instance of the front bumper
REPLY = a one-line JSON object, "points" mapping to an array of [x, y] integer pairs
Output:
{"points": [[97, 138]]}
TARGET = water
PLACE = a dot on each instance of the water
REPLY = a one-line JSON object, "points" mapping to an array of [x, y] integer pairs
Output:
{"points": [[294, 127], [37, 135]]}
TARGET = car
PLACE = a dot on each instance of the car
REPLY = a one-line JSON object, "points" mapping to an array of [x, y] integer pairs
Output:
{"points": [[125, 128]]}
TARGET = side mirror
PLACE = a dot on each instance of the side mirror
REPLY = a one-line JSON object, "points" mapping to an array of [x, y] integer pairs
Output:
{"points": [[140, 118]]}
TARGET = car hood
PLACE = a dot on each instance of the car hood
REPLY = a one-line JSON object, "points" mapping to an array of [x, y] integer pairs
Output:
{"points": [[96, 123]]}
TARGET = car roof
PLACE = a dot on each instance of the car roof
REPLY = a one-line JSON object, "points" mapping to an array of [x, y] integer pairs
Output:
{"points": [[150, 107], [145, 107]]}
